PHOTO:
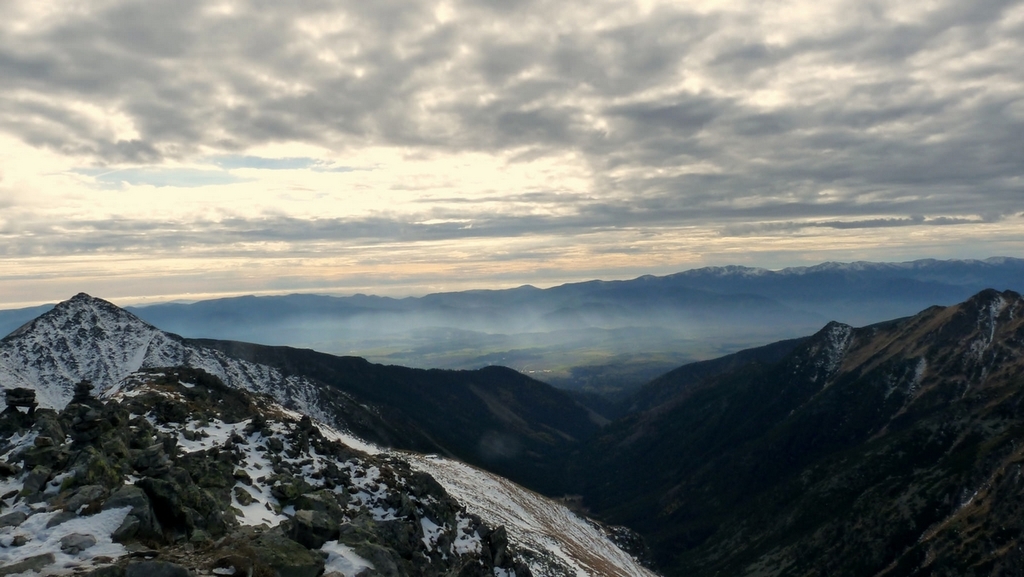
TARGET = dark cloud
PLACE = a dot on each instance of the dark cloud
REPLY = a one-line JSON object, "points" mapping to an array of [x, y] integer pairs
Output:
{"points": [[923, 117]]}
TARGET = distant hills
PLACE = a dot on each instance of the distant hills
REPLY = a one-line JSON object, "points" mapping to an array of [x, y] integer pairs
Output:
{"points": [[598, 336]]}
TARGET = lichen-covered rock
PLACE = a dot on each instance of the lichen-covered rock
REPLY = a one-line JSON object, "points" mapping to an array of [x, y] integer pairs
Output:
{"points": [[86, 497], [285, 556], [313, 528], [141, 520]]}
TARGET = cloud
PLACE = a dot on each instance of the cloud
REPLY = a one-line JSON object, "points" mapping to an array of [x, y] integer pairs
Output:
{"points": [[361, 121]]}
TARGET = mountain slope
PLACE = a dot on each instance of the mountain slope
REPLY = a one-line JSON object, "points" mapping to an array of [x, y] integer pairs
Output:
{"points": [[890, 449], [89, 338], [493, 417], [213, 480]]}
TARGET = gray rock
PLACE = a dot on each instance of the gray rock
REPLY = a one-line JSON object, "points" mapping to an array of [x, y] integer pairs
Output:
{"points": [[240, 565], [85, 496], [61, 517], [8, 470], [75, 543], [383, 561], [37, 564], [108, 571], [286, 557], [128, 529], [498, 540], [36, 480], [141, 521], [156, 569], [13, 519], [313, 528]]}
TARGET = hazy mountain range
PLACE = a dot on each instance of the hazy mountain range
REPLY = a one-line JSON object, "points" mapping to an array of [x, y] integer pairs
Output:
{"points": [[596, 336]]}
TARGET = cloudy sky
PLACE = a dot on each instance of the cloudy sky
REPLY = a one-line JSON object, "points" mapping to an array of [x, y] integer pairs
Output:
{"points": [[164, 149]]}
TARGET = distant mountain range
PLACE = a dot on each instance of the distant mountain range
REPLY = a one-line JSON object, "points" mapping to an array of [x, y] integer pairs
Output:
{"points": [[599, 336]]}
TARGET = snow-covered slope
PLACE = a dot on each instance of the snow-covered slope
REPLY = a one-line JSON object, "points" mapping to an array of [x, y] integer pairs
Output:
{"points": [[550, 531], [89, 338]]}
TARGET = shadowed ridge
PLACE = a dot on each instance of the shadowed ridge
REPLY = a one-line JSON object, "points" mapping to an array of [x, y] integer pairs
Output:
{"points": [[888, 449]]}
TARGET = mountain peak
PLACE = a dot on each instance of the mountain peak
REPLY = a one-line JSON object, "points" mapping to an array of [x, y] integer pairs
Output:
{"points": [[990, 298], [81, 338]]}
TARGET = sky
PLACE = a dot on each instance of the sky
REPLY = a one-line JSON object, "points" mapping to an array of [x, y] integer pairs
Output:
{"points": [[176, 149]]}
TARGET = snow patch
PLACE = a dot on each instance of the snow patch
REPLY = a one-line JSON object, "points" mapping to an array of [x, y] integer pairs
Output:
{"points": [[43, 539], [532, 521], [342, 559]]}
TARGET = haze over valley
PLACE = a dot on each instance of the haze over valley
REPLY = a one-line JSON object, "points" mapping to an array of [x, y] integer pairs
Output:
{"points": [[602, 337]]}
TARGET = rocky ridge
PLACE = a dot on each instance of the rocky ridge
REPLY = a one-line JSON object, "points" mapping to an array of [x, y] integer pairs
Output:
{"points": [[197, 478], [892, 449], [174, 472], [89, 338]]}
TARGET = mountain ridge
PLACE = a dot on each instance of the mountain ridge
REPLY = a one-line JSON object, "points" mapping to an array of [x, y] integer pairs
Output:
{"points": [[846, 456], [492, 417]]}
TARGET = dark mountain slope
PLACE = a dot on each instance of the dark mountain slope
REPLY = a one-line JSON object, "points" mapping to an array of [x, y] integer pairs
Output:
{"points": [[493, 417], [671, 384], [892, 449]]}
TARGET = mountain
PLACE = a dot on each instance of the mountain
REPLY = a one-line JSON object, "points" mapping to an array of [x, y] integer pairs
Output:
{"points": [[542, 333], [173, 473], [492, 417], [599, 336], [891, 449], [186, 450], [89, 338], [604, 337], [862, 292]]}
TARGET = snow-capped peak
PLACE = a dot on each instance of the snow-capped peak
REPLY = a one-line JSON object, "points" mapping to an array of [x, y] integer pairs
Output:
{"points": [[86, 338]]}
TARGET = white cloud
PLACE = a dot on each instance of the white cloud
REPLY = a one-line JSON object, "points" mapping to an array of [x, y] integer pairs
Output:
{"points": [[531, 135]]}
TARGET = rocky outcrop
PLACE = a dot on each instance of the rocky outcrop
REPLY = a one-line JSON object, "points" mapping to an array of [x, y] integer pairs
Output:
{"points": [[180, 475]]}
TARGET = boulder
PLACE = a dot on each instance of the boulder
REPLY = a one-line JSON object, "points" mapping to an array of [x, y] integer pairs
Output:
{"points": [[312, 529], [156, 569], [84, 497], [36, 480], [285, 556], [37, 564], [75, 543], [141, 521], [8, 470], [12, 519], [61, 517]]}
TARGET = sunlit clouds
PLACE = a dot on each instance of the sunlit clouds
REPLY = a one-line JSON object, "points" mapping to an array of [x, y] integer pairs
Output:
{"points": [[154, 150]]}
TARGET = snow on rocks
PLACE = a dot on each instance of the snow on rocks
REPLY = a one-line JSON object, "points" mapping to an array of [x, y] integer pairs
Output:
{"points": [[554, 539], [220, 478], [89, 338]]}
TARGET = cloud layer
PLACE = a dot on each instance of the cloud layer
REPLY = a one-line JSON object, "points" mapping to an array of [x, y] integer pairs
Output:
{"points": [[485, 132]]}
